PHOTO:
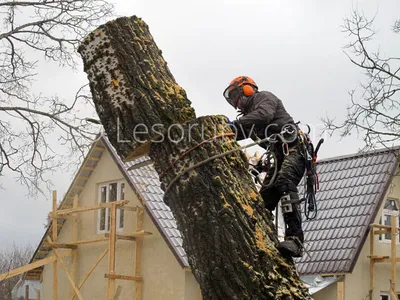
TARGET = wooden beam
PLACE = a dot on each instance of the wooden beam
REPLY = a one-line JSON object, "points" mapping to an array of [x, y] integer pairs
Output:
{"points": [[138, 252], [74, 253], [131, 236], [384, 226], [123, 277], [130, 208], [382, 231], [59, 245], [393, 294], [31, 266], [90, 271], [118, 293], [59, 258], [54, 238], [393, 255], [371, 262], [99, 149], [111, 254], [384, 259], [37, 294], [83, 178], [93, 207], [26, 292], [340, 290]]}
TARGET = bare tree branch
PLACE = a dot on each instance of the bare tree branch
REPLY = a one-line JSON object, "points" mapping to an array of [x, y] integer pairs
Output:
{"points": [[374, 110], [39, 134], [10, 258]]}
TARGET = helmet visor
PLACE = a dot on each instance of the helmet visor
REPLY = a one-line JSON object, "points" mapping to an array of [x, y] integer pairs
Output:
{"points": [[232, 95]]}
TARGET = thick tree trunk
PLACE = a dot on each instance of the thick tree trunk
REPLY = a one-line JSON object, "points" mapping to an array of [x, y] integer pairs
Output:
{"points": [[229, 238]]}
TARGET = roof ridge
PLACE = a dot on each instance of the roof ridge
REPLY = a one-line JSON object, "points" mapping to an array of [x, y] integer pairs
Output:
{"points": [[360, 154]]}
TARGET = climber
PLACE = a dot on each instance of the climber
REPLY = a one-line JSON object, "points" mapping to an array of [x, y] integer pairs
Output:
{"points": [[262, 113]]}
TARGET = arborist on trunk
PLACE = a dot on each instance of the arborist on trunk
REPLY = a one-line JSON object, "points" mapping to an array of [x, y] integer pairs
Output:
{"points": [[263, 114]]}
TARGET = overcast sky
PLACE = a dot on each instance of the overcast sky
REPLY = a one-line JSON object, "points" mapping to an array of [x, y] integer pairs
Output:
{"points": [[291, 48]]}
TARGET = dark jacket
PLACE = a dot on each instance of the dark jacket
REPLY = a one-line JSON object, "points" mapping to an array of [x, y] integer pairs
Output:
{"points": [[265, 113]]}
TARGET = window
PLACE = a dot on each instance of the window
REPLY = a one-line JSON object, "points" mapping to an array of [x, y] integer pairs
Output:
{"points": [[386, 296], [109, 193], [390, 209]]}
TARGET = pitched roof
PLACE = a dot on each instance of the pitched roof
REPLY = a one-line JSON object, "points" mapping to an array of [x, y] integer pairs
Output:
{"points": [[352, 189]]}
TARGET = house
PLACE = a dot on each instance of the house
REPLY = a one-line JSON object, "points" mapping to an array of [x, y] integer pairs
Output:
{"points": [[355, 191], [24, 287]]}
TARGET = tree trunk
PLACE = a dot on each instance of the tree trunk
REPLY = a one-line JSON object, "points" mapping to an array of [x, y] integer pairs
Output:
{"points": [[229, 238]]}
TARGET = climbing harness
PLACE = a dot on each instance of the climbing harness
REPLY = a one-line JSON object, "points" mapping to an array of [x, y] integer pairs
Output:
{"points": [[268, 164], [311, 182]]}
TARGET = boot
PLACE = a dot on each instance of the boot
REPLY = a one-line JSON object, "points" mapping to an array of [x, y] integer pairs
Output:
{"points": [[291, 247]]}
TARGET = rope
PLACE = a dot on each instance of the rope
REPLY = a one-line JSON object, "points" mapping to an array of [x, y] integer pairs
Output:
{"points": [[212, 158], [191, 149]]}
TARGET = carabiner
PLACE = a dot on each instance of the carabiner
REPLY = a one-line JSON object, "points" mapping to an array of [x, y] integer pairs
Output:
{"points": [[285, 149]]}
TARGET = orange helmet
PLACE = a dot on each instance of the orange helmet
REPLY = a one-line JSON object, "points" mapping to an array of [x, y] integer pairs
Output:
{"points": [[238, 87]]}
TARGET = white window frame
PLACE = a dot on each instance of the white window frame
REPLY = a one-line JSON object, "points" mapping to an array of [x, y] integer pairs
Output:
{"points": [[384, 294], [106, 227], [390, 212], [388, 295]]}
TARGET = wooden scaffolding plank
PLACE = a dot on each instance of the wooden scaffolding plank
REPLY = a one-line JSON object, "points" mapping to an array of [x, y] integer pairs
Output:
{"points": [[92, 207], [131, 236], [26, 292], [138, 251], [54, 238], [60, 245], [73, 245], [123, 277], [371, 262], [340, 290], [393, 256], [111, 254], [384, 226], [74, 239], [118, 293]]}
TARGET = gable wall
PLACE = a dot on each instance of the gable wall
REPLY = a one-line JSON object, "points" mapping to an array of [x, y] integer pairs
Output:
{"points": [[357, 284], [163, 277]]}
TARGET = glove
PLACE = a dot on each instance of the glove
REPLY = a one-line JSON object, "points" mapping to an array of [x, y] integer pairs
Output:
{"points": [[233, 123]]}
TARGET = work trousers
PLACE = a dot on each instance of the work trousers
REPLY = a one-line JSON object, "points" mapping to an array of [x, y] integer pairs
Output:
{"points": [[291, 168]]}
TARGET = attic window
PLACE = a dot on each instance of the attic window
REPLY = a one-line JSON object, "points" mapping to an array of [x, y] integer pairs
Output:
{"points": [[390, 209], [109, 193]]}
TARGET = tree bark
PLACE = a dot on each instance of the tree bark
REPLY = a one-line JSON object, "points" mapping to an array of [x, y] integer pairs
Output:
{"points": [[229, 238]]}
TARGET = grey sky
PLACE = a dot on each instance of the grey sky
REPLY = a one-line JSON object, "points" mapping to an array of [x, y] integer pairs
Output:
{"points": [[291, 48]]}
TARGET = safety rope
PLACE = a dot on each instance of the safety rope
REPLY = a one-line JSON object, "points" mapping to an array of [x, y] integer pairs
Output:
{"points": [[212, 158], [191, 149]]}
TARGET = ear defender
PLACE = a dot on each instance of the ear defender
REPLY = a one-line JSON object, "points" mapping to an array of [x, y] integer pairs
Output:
{"points": [[248, 90]]}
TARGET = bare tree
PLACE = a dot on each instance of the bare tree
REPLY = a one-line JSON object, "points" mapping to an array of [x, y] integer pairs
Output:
{"points": [[374, 110], [10, 258], [33, 30]]}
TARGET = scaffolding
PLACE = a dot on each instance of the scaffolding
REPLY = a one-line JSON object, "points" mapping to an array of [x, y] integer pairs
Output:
{"points": [[378, 229], [66, 249]]}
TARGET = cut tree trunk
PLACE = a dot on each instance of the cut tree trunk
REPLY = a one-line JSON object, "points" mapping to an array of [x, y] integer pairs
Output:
{"points": [[230, 240]]}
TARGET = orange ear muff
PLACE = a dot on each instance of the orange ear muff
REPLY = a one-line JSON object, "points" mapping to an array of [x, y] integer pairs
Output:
{"points": [[248, 90]]}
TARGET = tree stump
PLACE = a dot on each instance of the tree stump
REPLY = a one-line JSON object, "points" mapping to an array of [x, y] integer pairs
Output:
{"points": [[228, 237]]}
